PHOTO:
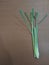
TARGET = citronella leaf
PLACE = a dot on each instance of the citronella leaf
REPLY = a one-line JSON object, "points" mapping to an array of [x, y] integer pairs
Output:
{"points": [[36, 15], [22, 15], [33, 13], [31, 18], [27, 16], [43, 19], [25, 20]]}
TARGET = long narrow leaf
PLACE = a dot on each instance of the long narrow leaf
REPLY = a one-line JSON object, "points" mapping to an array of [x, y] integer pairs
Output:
{"points": [[25, 20], [28, 18], [42, 19]]}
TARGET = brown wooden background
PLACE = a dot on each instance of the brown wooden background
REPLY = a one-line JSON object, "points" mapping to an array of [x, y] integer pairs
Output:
{"points": [[15, 40]]}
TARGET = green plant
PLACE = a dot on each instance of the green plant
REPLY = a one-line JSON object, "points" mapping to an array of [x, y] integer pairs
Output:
{"points": [[33, 28]]}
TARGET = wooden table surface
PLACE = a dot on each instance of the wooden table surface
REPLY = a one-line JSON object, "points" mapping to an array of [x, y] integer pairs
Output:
{"points": [[15, 40]]}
